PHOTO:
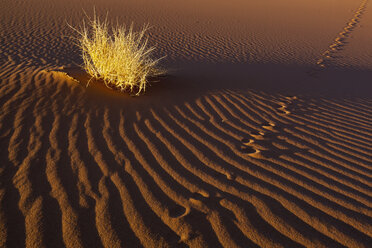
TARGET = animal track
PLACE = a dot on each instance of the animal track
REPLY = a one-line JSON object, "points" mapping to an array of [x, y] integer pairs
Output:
{"points": [[247, 141], [341, 39], [177, 211], [251, 151], [248, 149], [269, 126], [256, 154], [257, 135], [291, 105], [262, 144], [258, 141], [283, 109], [291, 97]]}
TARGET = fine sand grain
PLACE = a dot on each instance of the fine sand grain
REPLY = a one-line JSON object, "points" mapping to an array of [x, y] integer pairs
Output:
{"points": [[259, 136]]}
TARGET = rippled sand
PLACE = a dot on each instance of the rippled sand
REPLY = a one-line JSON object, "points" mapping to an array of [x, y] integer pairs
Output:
{"points": [[260, 136]]}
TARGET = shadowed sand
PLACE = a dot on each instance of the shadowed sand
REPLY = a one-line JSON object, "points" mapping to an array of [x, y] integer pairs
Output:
{"points": [[248, 142]]}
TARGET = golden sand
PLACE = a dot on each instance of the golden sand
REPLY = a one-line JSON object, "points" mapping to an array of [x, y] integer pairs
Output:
{"points": [[249, 141]]}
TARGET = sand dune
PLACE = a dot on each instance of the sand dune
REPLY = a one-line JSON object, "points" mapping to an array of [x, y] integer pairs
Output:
{"points": [[239, 146]]}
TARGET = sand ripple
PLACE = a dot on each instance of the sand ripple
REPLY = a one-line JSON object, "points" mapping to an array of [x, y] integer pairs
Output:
{"points": [[255, 158], [228, 168]]}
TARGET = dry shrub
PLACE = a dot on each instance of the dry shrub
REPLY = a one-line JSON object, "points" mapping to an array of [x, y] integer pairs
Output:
{"points": [[119, 56]]}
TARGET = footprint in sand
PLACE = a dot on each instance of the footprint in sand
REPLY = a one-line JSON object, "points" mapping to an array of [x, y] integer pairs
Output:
{"points": [[341, 40], [294, 104], [259, 142], [204, 202], [269, 126], [248, 148], [200, 196], [283, 109], [256, 154], [291, 97], [178, 211], [258, 135], [246, 141]]}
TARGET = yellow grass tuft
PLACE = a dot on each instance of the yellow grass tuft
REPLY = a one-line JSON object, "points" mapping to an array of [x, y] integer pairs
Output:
{"points": [[118, 56]]}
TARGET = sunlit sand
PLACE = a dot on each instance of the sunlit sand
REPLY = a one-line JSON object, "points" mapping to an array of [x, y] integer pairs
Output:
{"points": [[258, 134]]}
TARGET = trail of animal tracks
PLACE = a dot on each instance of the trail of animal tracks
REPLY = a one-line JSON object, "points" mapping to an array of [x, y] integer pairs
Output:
{"points": [[236, 147], [343, 37]]}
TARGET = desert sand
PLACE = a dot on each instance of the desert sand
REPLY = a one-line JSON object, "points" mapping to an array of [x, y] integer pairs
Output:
{"points": [[260, 135]]}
